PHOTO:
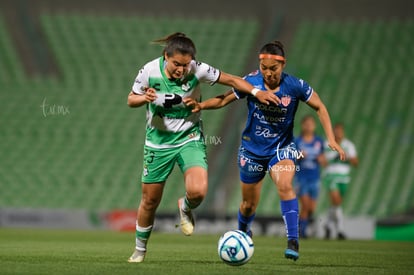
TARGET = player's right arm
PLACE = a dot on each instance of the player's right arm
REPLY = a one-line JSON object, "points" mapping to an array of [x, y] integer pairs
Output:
{"points": [[141, 94], [137, 100]]}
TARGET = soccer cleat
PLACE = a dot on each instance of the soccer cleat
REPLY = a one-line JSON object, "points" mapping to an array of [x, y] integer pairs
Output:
{"points": [[249, 233], [292, 250], [187, 220], [137, 257], [341, 236], [327, 233]]}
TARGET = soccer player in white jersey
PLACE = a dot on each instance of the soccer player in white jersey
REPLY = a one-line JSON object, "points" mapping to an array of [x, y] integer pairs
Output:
{"points": [[267, 140], [168, 86], [336, 179]]}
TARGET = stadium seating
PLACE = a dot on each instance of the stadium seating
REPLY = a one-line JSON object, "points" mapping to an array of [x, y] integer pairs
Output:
{"points": [[10, 67], [91, 156], [363, 71]]}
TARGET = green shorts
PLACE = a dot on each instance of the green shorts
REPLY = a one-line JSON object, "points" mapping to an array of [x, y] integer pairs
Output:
{"points": [[336, 182], [159, 163]]}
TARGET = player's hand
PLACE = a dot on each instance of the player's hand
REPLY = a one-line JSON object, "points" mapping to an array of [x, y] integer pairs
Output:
{"points": [[267, 97], [150, 95], [336, 147], [194, 104]]}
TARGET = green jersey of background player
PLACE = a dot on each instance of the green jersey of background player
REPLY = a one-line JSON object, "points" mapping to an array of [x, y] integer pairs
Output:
{"points": [[336, 179], [169, 87]]}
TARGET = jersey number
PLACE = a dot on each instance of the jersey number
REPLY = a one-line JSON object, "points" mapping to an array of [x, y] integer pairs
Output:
{"points": [[149, 156]]}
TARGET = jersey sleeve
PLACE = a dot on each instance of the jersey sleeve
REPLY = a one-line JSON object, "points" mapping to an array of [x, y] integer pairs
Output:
{"points": [[141, 81], [206, 73], [304, 90], [351, 151], [237, 93]]}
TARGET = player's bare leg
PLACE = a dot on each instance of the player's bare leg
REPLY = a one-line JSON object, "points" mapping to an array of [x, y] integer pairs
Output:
{"points": [[282, 175], [150, 199], [196, 185], [250, 200]]}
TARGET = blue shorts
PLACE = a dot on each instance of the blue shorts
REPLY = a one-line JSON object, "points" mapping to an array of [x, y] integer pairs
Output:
{"points": [[253, 168], [307, 187]]}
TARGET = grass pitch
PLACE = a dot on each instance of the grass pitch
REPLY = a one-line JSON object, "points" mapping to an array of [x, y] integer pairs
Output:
{"points": [[102, 252]]}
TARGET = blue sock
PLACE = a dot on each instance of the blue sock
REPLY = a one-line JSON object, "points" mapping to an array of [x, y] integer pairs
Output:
{"points": [[245, 222], [303, 224], [290, 212]]}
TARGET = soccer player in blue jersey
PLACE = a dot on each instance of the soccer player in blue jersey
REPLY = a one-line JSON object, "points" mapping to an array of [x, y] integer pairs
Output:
{"points": [[267, 141], [307, 177]]}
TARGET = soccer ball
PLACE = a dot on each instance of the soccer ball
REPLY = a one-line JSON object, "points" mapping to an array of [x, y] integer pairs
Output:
{"points": [[235, 247]]}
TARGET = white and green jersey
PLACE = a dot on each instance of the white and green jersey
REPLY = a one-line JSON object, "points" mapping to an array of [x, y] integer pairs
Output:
{"points": [[169, 122], [335, 165]]}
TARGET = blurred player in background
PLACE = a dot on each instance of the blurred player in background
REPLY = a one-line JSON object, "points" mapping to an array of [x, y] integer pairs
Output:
{"points": [[336, 179], [267, 140], [307, 177], [167, 86]]}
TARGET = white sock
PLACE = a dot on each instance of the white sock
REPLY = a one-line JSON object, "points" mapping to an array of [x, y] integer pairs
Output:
{"points": [[339, 219], [331, 219], [141, 237]]}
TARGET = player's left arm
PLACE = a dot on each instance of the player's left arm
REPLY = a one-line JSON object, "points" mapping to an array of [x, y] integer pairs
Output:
{"points": [[353, 161], [352, 156], [316, 103]]}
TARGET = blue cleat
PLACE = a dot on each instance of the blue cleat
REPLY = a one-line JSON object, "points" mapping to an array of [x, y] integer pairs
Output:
{"points": [[292, 250]]}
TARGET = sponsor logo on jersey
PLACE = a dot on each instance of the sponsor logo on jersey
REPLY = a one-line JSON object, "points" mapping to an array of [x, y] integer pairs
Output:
{"points": [[270, 108], [268, 119], [264, 132], [168, 100]]}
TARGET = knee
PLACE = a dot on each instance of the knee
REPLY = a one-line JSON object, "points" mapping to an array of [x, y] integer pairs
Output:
{"points": [[196, 195], [336, 198], [197, 190], [150, 203], [248, 207], [284, 188]]}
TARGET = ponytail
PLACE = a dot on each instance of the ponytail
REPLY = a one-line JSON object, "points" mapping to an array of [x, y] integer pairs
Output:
{"points": [[177, 42]]}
